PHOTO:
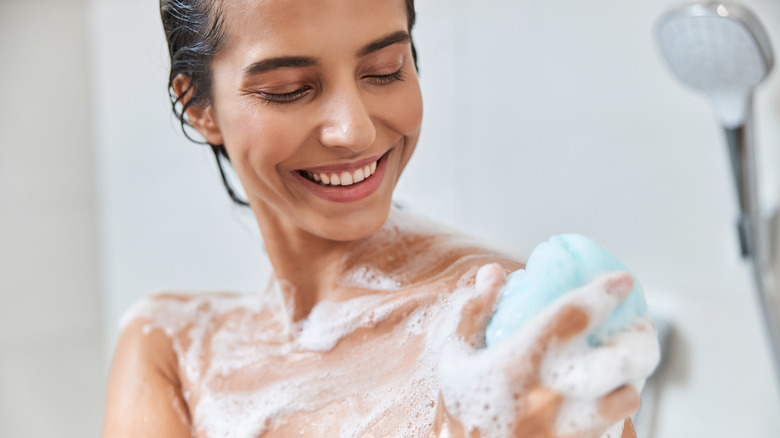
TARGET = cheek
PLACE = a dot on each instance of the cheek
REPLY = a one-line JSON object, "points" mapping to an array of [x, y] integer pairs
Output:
{"points": [[404, 114], [259, 141]]}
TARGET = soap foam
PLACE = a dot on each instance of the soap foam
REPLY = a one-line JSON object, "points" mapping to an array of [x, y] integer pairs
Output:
{"points": [[246, 369], [367, 278], [245, 372], [328, 322], [477, 391]]}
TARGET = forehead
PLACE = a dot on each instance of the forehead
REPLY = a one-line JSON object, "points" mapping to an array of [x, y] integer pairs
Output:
{"points": [[308, 27]]}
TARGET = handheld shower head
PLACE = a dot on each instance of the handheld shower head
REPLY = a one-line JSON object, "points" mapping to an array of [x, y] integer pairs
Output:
{"points": [[723, 51], [720, 50]]}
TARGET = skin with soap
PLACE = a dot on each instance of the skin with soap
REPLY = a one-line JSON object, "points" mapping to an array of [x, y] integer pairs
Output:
{"points": [[373, 323]]}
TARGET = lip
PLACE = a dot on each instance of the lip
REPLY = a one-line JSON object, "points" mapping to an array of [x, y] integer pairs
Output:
{"points": [[344, 167], [354, 192]]}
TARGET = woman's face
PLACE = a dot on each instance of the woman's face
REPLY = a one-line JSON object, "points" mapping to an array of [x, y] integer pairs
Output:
{"points": [[318, 105]]}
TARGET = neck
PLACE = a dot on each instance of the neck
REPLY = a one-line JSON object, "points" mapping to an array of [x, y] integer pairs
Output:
{"points": [[306, 266]]}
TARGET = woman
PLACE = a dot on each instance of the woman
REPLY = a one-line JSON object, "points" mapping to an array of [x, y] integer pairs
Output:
{"points": [[318, 107]]}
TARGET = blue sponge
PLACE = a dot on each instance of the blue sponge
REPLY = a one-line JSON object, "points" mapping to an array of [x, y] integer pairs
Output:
{"points": [[566, 262]]}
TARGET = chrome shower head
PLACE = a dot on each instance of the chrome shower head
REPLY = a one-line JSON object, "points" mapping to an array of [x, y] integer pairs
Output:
{"points": [[720, 50]]}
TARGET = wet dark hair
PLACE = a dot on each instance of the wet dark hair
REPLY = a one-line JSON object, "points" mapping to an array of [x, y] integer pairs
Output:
{"points": [[195, 32]]}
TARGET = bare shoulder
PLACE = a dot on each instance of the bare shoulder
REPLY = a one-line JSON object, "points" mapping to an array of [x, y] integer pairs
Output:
{"points": [[144, 393], [417, 250], [174, 312], [145, 396]]}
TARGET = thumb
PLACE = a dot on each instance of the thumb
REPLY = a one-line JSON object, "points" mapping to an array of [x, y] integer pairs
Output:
{"points": [[476, 314]]}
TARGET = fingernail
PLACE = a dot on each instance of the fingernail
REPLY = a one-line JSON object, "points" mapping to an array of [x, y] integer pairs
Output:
{"points": [[489, 274], [620, 285]]}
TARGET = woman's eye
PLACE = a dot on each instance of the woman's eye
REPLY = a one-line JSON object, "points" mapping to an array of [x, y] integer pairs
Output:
{"points": [[387, 79], [277, 98], [292, 96]]}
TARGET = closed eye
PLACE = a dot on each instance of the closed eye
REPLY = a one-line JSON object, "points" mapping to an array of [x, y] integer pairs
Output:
{"points": [[279, 98], [292, 96], [386, 79]]}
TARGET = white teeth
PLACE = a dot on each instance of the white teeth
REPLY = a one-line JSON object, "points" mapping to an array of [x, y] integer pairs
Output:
{"points": [[344, 178], [358, 176]]}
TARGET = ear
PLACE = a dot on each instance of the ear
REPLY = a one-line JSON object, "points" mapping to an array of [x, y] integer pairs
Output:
{"points": [[200, 117]]}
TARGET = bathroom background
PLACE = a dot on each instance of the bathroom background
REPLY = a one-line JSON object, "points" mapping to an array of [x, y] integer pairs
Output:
{"points": [[541, 118]]}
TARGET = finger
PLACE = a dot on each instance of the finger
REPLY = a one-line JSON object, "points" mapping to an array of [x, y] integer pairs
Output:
{"points": [[619, 403], [477, 312], [539, 412], [576, 313], [580, 371], [583, 309], [639, 348], [489, 278], [593, 417]]}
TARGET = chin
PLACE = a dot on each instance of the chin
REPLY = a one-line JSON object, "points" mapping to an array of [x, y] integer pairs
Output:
{"points": [[356, 226]]}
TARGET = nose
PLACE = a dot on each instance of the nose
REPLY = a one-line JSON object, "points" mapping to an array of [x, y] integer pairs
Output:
{"points": [[347, 122]]}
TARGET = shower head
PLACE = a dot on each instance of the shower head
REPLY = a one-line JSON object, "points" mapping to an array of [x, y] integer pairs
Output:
{"points": [[720, 50], [723, 51]]}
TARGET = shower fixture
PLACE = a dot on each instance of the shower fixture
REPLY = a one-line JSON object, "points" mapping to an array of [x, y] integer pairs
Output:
{"points": [[722, 51]]}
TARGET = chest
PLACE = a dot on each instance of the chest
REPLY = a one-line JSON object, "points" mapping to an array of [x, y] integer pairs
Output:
{"points": [[367, 368]]}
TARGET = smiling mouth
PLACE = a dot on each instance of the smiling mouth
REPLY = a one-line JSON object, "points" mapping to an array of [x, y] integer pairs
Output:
{"points": [[343, 178]]}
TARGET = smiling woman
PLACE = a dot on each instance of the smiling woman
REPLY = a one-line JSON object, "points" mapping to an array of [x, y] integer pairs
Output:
{"points": [[322, 93], [370, 312]]}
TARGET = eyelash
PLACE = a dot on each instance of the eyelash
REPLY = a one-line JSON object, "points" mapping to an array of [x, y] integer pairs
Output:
{"points": [[275, 99], [388, 79]]}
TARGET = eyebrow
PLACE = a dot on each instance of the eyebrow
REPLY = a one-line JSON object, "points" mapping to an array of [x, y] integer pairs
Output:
{"points": [[303, 61], [280, 62], [401, 36]]}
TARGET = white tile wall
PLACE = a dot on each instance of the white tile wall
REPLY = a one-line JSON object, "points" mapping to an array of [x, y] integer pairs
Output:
{"points": [[51, 362]]}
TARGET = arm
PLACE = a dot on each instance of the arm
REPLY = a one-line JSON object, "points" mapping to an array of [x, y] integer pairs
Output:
{"points": [[144, 392], [628, 429]]}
